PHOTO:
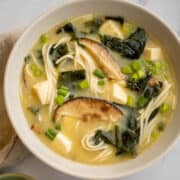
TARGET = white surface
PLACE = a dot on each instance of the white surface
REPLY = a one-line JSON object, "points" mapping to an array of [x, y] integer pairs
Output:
{"points": [[15, 13]]}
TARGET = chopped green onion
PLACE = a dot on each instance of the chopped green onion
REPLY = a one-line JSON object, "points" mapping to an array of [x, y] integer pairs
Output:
{"points": [[141, 74], [155, 135], [130, 100], [59, 99], [84, 84], [134, 76], [98, 73], [58, 127], [126, 70], [64, 87], [51, 133], [43, 38], [101, 82], [165, 107], [62, 92], [34, 109], [128, 28], [136, 65], [142, 101], [35, 70]]}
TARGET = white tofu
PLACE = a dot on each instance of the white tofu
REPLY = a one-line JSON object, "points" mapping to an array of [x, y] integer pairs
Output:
{"points": [[63, 141], [111, 28], [119, 93], [154, 53], [41, 89]]}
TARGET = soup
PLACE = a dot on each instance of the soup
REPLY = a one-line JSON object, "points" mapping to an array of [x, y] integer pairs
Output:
{"points": [[97, 89]]}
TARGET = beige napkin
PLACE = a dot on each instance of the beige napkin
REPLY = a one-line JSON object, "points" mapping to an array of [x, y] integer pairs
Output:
{"points": [[11, 148]]}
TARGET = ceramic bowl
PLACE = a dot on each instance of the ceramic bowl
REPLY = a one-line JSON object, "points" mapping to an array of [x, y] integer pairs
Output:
{"points": [[132, 12]]}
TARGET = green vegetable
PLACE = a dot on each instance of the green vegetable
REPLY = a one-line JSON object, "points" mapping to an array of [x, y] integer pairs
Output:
{"points": [[43, 38], [64, 88], [119, 19], [98, 73], [139, 84], [58, 52], [94, 24], [71, 79], [58, 127], [68, 28], [153, 114], [125, 140], [161, 126], [141, 74], [51, 133], [132, 47], [84, 84], [136, 65], [130, 100], [27, 59], [101, 82], [62, 92], [128, 28], [34, 109], [59, 99], [134, 77], [126, 70], [35, 70], [142, 102], [155, 135], [165, 107]]}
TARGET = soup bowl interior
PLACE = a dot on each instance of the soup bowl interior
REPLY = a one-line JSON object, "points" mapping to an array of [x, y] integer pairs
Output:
{"points": [[131, 12]]}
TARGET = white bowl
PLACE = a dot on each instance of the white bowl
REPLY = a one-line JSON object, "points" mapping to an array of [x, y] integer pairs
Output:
{"points": [[130, 11]]}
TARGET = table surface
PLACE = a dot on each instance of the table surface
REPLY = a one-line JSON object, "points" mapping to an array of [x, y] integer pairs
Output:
{"points": [[17, 13]]}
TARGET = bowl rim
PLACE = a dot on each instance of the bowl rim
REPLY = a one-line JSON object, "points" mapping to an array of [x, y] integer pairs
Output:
{"points": [[43, 159]]}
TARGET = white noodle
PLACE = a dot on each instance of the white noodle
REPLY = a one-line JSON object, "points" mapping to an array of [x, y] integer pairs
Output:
{"points": [[145, 127], [89, 145]]}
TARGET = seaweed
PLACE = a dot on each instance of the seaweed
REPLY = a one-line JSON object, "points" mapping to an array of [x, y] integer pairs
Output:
{"points": [[118, 19], [94, 24], [57, 52], [132, 47], [124, 140], [71, 79]]}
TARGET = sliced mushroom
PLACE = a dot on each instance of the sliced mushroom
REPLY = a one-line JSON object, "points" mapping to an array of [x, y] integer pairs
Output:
{"points": [[88, 108], [103, 58]]}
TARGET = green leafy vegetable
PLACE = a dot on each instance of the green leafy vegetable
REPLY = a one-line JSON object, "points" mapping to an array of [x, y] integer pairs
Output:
{"points": [[138, 84], [27, 59], [58, 52], [132, 47], [118, 19], [71, 79], [153, 114], [34, 109], [94, 24], [124, 140]]}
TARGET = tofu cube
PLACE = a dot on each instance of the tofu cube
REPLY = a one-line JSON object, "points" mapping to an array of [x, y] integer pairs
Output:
{"points": [[119, 93], [41, 90], [111, 28], [153, 53]]}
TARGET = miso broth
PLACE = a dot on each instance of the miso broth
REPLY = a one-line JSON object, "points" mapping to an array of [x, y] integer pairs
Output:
{"points": [[97, 89]]}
